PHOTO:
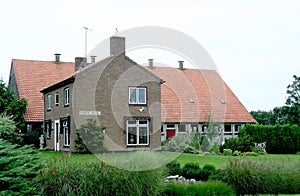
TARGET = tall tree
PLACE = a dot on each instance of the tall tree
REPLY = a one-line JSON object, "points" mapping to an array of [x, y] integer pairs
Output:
{"points": [[293, 100], [12, 106]]}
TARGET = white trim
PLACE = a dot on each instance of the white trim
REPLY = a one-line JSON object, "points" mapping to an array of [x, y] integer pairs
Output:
{"points": [[66, 96], [137, 125], [137, 95], [56, 134], [49, 105]]}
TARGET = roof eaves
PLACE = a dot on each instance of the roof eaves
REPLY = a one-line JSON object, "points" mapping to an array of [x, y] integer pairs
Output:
{"points": [[59, 84]]}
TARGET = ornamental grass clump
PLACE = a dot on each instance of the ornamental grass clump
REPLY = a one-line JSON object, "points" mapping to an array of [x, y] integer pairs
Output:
{"points": [[199, 188], [65, 177], [263, 176]]}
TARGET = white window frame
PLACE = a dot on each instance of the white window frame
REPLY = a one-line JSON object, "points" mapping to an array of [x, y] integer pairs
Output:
{"points": [[66, 133], [137, 95], [56, 99], [67, 96], [138, 126], [49, 102]]}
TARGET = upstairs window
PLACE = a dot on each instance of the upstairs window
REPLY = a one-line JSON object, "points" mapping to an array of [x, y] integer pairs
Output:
{"points": [[56, 99], [137, 95], [66, 96], [49, 102]]}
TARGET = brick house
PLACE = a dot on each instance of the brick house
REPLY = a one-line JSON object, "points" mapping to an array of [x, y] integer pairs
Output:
{"points": [[116, 92], [28, 77]]}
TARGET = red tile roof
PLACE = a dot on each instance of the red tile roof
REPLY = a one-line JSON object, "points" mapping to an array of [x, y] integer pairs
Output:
{"points": [[32, 76], [193, 95]]}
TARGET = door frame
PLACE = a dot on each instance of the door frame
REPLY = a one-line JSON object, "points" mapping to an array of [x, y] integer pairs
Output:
{"points": [[56, 135]]}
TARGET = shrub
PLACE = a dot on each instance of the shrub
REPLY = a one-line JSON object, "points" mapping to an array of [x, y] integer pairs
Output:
{"points": [[227, 152], [200, 188], [174, 168], [178, 143], [192, 171], [207, 171], [63, 177], [243, 143], [90, 138], [18, 167], [262, 176]]}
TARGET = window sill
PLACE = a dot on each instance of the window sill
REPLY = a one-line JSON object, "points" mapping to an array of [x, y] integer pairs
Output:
{"points": [[66, 105], [137, 104], [67, 146], [49, 109]]}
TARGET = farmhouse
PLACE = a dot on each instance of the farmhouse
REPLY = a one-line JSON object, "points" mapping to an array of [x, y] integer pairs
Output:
{"points": [[140, 106]]}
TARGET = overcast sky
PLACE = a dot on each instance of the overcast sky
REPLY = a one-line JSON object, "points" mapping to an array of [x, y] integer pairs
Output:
{"points": [[254, 43]]}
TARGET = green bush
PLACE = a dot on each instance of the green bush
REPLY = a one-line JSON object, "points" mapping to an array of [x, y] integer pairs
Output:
{"points": [[90, 138], [262, 176], [63, 177], [280, 139], [192, 171], [227, 152], [243, 143], [200, 188], [207, 171], [174, 168], [18, 168]]}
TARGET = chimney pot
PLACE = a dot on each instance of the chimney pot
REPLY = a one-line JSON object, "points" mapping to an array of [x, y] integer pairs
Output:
{"points": [[57, 58], [151, 65], [93, 59], [117, 45], [181, 65]]}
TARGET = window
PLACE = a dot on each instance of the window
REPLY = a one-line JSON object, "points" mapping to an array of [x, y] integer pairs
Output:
{"points": [[65, 127], [137, 95], [56, 99], [181, 128], [236, 128], [137, 132], [66, 96], [227, 128], [48, 128], [49, 102]]}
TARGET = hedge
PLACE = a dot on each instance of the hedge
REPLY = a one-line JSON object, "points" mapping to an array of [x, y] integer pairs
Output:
{"points": [[280, 139]]}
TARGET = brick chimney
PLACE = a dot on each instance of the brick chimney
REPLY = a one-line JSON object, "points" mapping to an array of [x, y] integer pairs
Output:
{"points": [[79, 63], [117, 45]]}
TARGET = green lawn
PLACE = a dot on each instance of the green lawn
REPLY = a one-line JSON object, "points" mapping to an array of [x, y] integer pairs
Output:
{"points": [[148, 160]]}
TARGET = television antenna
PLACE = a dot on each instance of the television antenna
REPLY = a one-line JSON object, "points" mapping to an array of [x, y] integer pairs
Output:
{"points": [[85, 44]]}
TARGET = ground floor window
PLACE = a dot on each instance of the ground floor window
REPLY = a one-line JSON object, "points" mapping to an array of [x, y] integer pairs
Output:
{"points": [[65, 128], [137, 132], [48, 128]]}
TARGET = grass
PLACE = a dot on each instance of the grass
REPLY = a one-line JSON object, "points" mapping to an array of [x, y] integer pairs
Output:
{"points": [[159, 158]]}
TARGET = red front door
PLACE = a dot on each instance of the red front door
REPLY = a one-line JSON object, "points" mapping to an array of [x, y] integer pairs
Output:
{"points": [[170, 133]]}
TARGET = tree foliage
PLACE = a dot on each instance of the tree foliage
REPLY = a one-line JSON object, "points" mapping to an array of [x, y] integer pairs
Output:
{"points": [[18, 167], [11, 105], [8, 130], [287, 114]]}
